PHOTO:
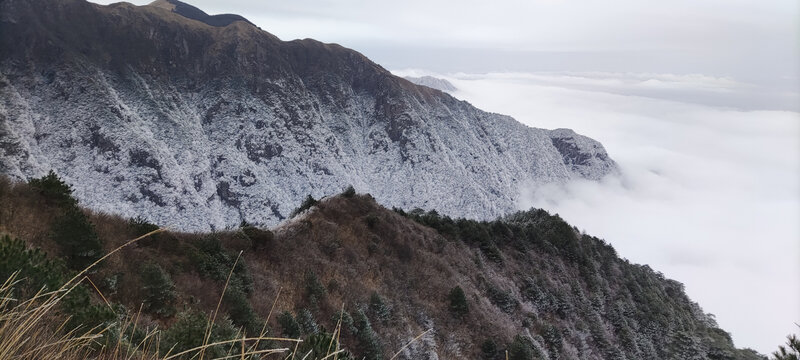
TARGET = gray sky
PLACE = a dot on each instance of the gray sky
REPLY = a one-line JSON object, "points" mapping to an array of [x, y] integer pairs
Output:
{"points": [[696, 99]]}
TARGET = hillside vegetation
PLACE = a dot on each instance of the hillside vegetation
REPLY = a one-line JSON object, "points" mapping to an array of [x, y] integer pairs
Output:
{"points": [[528, 285]]}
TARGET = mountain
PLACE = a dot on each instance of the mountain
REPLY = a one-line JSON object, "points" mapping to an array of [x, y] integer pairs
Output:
{"points": [[528, 283], [432, 82], [194, 13], [199, 122]]}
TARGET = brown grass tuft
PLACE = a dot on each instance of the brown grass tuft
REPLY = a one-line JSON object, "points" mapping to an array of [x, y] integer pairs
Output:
{"points": [[31, 329]]}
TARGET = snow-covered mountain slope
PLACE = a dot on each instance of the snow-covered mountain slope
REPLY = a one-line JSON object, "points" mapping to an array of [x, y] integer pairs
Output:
{"points": [[149, 113]]}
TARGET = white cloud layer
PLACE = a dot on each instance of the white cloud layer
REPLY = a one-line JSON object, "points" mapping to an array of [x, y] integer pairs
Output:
{"points": [[709, 195]]}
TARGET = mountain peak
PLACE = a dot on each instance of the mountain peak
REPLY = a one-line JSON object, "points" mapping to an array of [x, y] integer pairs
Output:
{"points": [[191, 12], [164, 4]]}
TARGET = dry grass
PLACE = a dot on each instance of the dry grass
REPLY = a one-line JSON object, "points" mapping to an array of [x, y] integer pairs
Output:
{"points": [[23, 334], [32, 329], [332, 241], [26, 214]]}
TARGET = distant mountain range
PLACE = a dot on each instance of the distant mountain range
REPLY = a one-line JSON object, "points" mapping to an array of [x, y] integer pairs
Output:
{"points": [[432, 82], [200, 122]]}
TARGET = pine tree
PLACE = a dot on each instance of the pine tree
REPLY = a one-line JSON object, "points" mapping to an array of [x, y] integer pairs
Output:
{"points": [[790, 352], [54, 190], [314, 289], [159, 290], [307, 322], [369, 343], [379, 308], [240, 311], [349, 192], [73, 232], [76, 237], [291, 328], [522, 349], [34, 269], [308, 203], [458, 302]]}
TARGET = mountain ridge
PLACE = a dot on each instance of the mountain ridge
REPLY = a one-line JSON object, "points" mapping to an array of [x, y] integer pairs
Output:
{"points": [[530, 283], [200, 127], [194, 13]]}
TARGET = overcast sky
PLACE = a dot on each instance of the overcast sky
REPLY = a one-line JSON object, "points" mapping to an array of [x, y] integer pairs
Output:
{"points": [[696, 99]]}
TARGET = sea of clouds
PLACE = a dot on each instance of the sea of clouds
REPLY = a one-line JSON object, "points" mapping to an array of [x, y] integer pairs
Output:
{"points": [[710, 187]]}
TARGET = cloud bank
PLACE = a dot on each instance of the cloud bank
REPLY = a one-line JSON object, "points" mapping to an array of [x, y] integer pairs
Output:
{"points": [[709, 195]]}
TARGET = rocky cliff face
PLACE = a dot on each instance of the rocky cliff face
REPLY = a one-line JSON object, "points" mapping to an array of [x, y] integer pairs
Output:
{"points": [[198, 125]]}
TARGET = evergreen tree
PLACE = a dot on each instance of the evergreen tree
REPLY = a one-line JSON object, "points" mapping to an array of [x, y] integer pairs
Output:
{"points": [[347, 321], [159, 290], [458, 302], [308, 203], [141, 226], [522, 349], [489, 350], [379, 308], [370, 345], [307, 322], [54, 190], [790, 352], [288, 323], [349, 192], [314, 289], [240, 311], [76, 237], [34, 269]]}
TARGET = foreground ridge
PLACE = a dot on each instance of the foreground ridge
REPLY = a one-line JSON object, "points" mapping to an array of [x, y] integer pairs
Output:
{"points": [[528, 283]]}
